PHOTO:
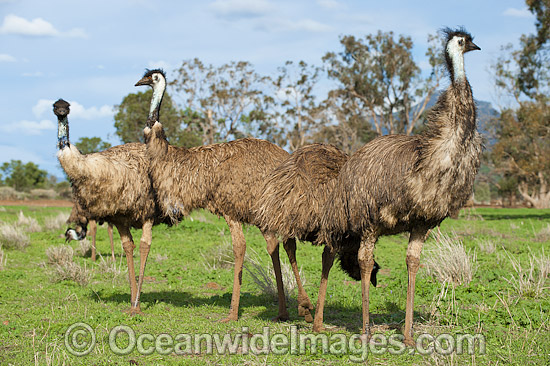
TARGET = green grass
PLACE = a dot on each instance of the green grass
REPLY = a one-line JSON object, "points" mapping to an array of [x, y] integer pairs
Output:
{"points": [[182, 296]]}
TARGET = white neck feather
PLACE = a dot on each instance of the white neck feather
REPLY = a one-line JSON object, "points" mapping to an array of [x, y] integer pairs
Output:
{"points": [[158, 92], [457, 57]]}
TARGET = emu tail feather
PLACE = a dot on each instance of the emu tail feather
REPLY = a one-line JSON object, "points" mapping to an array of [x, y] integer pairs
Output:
{"points": [[347, 255]]}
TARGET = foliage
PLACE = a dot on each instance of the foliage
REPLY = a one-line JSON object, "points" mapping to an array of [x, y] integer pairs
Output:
{"points": [[379, 80], [132, 113], [224, 97], [89, 145], [522, 152], [23, 177]]}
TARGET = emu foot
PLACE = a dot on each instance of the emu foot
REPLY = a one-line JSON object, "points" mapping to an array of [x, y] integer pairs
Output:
{"points": [[133, 311], [281, 318], [230, 318], [409, 342], [304, 311], [318, 328]]}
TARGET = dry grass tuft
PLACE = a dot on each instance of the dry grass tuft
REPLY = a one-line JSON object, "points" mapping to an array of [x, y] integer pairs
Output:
{"points": [[219, 257], [264, 277], [448, 261], [3, 258], [487, 246], [29, 223], [159, 258], [59, 255], [543, 235], [64, 268], [84, 248], [118, 272], [531, 281], [13, 237], [58, 222]]}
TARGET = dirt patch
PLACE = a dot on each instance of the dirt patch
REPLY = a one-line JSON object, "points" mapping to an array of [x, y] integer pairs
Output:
{"points": [[41, 203]]}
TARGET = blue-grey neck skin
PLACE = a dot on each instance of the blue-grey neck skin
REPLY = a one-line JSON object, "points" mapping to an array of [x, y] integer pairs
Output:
{"points": [[62, 133]]}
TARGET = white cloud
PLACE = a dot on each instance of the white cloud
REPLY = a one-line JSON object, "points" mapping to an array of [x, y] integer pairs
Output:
{"points": [[29, 127], [285, 25], [241, 8], [4, 57], [14, 24], [78, 111], [518, 13]]}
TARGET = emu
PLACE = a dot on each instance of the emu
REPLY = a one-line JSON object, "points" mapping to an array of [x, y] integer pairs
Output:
{"points": [[224, 178], [291, 206], [78, 217], [400, 183], [113, 186]]}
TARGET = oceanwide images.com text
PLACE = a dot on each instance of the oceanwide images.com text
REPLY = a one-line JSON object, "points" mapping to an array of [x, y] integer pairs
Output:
{"points": [[80, 340]]}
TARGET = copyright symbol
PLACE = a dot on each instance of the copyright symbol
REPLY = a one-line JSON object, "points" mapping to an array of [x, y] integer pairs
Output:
{"points": [[79, 339]]}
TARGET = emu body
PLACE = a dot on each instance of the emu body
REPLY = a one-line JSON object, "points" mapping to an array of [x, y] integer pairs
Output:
{"points": [[409, 184], [291, 206], [224, 178]]}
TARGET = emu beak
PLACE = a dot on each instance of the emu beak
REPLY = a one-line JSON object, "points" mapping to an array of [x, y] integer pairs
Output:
{"points": [[144, 81], [471, 46]]}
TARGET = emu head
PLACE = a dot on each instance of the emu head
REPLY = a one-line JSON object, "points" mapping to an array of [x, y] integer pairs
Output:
{"points": [[61, 108], [153, 78], [459, 41], [79, 233]]}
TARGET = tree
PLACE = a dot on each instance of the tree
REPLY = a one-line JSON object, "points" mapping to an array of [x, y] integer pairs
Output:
{"points": [[132, 113], [296, 111], [522, 153], [224, 97], [89, 145], [23, 177], [380, 80]]}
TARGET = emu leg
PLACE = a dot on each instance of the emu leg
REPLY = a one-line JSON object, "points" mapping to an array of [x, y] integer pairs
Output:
{"points": [[93, 231], [328, 259], [128, 246], [416, 240], [304, 303], [144, 247], [239, 248], [365, 258], [273, 250], [110, 232]]}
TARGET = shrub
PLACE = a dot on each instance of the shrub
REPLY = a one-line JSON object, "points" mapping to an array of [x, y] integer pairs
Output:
{"points": [[30, 223], [8, 193], [53, 223], [39, 193], [448, 261], [12, 237], [64, 268]]}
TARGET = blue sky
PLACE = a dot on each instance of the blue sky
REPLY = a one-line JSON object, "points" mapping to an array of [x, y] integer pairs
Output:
{"points": [[91, 53]]}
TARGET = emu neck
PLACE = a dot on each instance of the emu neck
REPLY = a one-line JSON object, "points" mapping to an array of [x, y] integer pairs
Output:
{"points": [[456, 59], [62, 132], [156, 101]]}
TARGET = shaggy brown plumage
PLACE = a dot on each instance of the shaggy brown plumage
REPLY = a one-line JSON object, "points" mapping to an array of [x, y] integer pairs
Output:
{"points": [[78, 217], [225, 179], [291, 206], [114, 186], [408, 183]]}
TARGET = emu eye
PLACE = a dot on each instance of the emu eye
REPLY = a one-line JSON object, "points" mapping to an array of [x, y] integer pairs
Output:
{"points": [[461, 42]]}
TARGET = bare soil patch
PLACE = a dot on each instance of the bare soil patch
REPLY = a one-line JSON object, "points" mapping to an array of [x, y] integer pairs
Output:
{"points": [[40, 203]]}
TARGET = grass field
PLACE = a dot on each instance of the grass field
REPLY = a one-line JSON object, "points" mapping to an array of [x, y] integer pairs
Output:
{"points": [[188, 290]]}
